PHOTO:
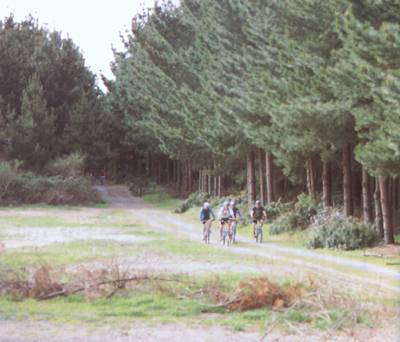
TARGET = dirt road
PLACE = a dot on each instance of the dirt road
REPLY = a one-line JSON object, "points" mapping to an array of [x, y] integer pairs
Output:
{"points": [[337, 268], [296, 264]]}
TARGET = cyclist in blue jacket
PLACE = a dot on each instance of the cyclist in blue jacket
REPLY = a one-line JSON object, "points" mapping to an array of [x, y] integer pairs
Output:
{"points": [[206, 216]]}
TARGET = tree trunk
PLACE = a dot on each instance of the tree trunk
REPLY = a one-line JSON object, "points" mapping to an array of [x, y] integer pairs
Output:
{"points": [[269, 165], [347, 181], [199, 184], [167, 171], [175, 173], [214, 179], [386, 212], [366, 195], [190, 176], [326, 184], [179, 176], [262, 175], [310, 177], [209, 181], [395, 205], [251, 182], [393, 210], [148, 164], [378, 209], [219, 186]]}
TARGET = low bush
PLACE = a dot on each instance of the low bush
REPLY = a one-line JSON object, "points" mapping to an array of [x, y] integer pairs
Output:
{"points": [[299, 218], [195, 199], [26, 187], [275, 209], [287, 222], [9, 177], [307, 207], [71, 191], [138, 185], [333, 229], [71, 165]]}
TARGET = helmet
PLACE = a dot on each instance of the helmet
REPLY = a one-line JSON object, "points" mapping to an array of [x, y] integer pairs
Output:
{"points": [[206, 205], [233, 202], [226, 203], [258, 202]]}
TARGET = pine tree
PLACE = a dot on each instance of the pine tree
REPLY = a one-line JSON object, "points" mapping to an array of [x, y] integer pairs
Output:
{"points": [[33, 132]]}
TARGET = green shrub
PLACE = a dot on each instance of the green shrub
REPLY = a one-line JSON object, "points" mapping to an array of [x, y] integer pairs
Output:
{"points": [[275, 209], [307, 207], [299, 218], [286, 222], [195, 199], [335, 230], [19, 186], [71, 190], [138, 185], [71, 165], [9, 178]]}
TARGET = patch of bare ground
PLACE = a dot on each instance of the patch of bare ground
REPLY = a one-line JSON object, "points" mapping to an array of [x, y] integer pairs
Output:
{"points": [[384, 251], [38, 331], [44, 331], [75, 215], [43, 236], [103, 279]]}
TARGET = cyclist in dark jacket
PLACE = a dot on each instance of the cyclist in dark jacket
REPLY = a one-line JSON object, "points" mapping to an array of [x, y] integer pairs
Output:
{"points": [[206, 213], [258, 214], [206, 217]]}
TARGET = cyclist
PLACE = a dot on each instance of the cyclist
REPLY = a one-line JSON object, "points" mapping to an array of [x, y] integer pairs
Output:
{"points": [[225, 214], [236, 217], [258, 214], [206, 215], [235, 210]]}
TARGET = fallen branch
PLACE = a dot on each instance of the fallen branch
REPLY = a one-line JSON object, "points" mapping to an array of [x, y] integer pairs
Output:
{"points": [[68, 292]]}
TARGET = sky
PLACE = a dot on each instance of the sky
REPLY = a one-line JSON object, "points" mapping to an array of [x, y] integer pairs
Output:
{"points": [[94, 26]]}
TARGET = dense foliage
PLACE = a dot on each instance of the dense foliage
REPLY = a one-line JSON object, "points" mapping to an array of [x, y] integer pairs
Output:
{"points": [[294, 95], [19, 186], [49, 103], [313, 84], [338, 231]]}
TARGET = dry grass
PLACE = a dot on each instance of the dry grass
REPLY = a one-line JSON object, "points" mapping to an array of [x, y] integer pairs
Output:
{"points": [[95, 284], [259, 293]]}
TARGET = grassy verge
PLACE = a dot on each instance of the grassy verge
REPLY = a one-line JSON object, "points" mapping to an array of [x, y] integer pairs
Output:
{"points": [[162, 200], [155, 304], [295, 239], [143, 304]]}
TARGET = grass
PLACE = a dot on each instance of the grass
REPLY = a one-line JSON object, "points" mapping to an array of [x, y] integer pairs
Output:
{"points": [[296, 239], [155, 305], [162, 200], [63, 254], [160, 244], [143, 305]]}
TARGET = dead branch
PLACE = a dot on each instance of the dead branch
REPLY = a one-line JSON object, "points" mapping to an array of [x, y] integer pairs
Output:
{"points": [[68, 292]]}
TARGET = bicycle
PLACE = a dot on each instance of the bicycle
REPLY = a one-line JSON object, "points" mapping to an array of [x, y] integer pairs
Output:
{"points": [[207, 231], [226, 234], [234, 225], [259, 232]]}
